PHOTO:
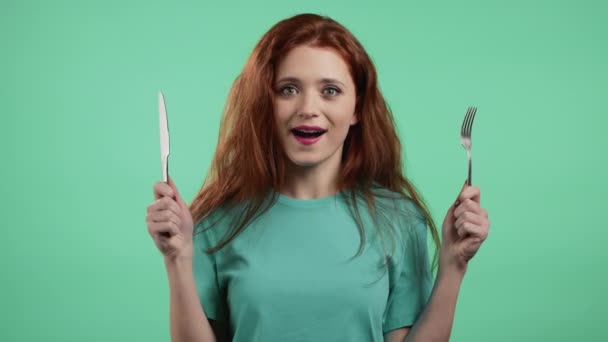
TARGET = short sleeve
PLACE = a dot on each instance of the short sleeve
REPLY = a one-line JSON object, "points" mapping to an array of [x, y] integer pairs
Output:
{"points": [[410, 276], [206, 278]]}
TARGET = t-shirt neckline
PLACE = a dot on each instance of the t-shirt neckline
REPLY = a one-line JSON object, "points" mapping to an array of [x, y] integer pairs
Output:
{"points": [[308, 203]]}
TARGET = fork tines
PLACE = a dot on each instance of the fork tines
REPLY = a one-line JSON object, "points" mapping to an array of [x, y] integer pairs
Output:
{"points": [[467, 124]]}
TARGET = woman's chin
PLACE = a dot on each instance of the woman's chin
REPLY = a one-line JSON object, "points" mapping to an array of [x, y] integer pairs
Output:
{"points": [[304, 160], [310, 159], [304, 163]]}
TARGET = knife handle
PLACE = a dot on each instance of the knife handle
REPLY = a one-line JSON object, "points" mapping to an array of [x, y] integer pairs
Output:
{"points": [[165, 170]]}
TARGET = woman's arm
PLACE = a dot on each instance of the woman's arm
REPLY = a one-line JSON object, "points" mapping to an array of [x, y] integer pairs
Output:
{"points": [[464, 229], [188, 320], [435, 322]]}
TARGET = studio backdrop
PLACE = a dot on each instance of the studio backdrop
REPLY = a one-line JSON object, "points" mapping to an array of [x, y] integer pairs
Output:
{"points": [[80, 150]]}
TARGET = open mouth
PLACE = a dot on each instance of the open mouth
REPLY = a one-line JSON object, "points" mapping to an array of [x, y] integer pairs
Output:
{"points": [[308, 133]]}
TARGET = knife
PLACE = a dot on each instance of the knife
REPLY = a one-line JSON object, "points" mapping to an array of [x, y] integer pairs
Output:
{"points": [[164, 136]]}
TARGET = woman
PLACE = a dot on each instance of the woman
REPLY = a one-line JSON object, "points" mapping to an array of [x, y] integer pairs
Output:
{"points": [[306, 228]]}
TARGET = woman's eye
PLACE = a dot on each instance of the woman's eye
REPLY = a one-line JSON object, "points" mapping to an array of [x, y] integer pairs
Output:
{"points": [[331, 91], [288, 91]]}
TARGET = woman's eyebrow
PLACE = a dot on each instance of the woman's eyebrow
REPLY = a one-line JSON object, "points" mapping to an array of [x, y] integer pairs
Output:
{"points": [[298, 81], [290, 79], [331, 80]]}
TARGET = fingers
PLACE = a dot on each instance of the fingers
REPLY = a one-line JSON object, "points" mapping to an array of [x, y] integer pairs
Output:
{"points": [[162, 189], [470, 192], [170, 182], [471, 218], [164, 212], [178, 197], [164, 203], [469, 205], [468, 229], [162, 228], [163, 216]]}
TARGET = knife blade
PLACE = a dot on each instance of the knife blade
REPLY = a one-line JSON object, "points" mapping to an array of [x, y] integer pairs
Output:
{"points": [[164, 136]]}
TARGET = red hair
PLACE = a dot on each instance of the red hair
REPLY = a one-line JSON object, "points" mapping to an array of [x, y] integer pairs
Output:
{"points": [[249, 161]]}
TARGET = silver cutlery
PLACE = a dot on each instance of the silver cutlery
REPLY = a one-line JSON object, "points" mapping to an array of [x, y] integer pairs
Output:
{"points": [[164, 136], [465, 136]]}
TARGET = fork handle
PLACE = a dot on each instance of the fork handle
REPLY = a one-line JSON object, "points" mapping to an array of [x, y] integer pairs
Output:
{"points": [[470, 168]]}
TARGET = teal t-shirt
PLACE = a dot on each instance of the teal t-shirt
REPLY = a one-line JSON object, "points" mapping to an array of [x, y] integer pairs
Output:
{"points": [[292, 275]]}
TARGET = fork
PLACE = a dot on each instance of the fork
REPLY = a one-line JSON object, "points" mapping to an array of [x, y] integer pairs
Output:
{"points": [[465, 136]]}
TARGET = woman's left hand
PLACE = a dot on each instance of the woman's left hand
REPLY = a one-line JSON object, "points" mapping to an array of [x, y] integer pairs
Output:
{"points": [[464, 229]]}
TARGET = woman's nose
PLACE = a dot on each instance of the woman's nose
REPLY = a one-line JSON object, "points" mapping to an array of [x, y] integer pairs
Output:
{"points": [[308, 105]]}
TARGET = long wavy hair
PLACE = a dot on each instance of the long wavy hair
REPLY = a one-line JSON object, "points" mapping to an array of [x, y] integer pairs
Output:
{"points": [[249, 162]]}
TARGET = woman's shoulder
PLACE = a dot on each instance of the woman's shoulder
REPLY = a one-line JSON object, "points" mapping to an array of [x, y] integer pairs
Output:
{"points": [[213, 226], [397, 211], [396, 203]]}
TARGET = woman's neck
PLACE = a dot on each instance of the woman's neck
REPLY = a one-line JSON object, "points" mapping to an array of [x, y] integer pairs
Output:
{"points": [[308, 182]]}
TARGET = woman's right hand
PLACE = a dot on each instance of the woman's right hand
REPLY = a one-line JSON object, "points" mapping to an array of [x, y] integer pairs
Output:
{"points": [[170, 222]]}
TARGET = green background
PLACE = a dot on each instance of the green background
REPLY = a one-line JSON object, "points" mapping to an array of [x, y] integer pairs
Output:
{"points": [[78, 87]]}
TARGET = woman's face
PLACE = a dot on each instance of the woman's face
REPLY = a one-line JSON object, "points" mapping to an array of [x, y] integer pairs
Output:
{"points": [[314, 105]]}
